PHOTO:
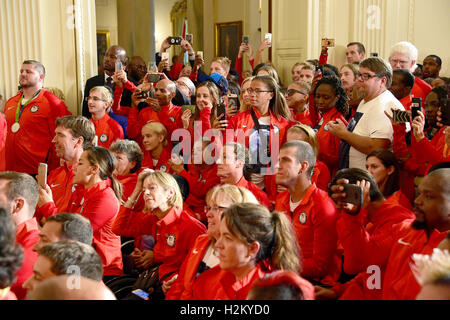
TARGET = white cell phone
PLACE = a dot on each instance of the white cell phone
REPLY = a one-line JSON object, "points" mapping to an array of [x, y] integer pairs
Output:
{"points": [[165, 56], [200, 53], [269, 38], [118, 65], [42, 175]]}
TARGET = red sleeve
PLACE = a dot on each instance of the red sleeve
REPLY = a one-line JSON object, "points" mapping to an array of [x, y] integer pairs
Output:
{"points": [[99, 210], [133, 127], [238, 68], [323, 59], [48, 209], [425, 152], [252, 63], [130, 223], [324, 243], [199, 188], [313, 114], [399, 143], [205, 116], [118, 91]]}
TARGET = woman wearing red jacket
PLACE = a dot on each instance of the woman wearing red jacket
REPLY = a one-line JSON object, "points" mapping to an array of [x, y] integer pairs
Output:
{"points": [[203, 255], [156, 147], [96, 197], [252, 242], [330, 100], [173, 230], [272, 113]]}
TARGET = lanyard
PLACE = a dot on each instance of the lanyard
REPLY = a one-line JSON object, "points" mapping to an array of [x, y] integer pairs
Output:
{"points": [[20, 108]]}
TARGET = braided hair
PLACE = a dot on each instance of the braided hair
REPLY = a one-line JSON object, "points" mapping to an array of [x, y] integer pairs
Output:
{"points": [[336, 84]]}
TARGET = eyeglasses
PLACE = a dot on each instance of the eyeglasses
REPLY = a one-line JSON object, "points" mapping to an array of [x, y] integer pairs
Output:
{"points": [[256, 91], [402, 63], [181, 83], [291, 92], [94, 98], [215, 208], [366, 76]]}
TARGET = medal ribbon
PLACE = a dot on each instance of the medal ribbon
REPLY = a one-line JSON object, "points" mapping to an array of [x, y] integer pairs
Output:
{"points": [[20, 108]]}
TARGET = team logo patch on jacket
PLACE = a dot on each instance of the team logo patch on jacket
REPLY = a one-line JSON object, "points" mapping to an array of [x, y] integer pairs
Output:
{"points": [[302, 218], [103, 137], [172, 118], [34, 109], [170, 240], [163, 168]]}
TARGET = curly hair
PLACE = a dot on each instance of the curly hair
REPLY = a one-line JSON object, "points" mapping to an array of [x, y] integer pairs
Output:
{"points": [[11, 254], [336, 84]]}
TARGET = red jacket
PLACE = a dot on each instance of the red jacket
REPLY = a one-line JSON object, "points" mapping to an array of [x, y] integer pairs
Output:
{"points": [[200, 182], [118, 91], [303, 117], [420, 89], [363, 241], [181, 289], [100, 205], [260, 195], [399, 281], [238, 67], [169, 116], [32, 144], [3, 132], [328, 143], [174, 234], [27, 234], [107, 130], [128, 182], [230, 289], [314, 222], [162, 161]]}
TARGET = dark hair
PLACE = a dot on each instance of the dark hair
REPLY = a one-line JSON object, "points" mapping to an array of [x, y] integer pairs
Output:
{"points": [[436, 58], [233, 75], [259, 66], [332, 68], [65, 255], [79, 126], [361, 47], [407, 77], [183, 184], [11, 253], [22, 185], [356, 174], [74, 227], [278, 104], [304, 152], [442, 94], [388, 159], [277, 292], [336, 84]]}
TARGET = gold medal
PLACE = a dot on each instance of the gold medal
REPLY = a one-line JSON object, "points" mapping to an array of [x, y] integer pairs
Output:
{"points": [[15, 127]]}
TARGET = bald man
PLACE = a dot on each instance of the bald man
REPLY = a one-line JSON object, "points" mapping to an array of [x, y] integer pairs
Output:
{"points": [[113, 54], [64, 287]]}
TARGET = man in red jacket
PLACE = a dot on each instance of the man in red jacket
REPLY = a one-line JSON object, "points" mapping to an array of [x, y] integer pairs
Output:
{"points": [[311, 211], [19, 195], [31, 116], [231, 171]]}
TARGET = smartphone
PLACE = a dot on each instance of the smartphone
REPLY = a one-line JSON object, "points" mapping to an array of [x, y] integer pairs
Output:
{"points": [[188, 106], [152, 66], [118, 66], [268, 36], [141, 294], [245, 40], [400, 116], [144, 94], [153, 77], [327, 43], [165, 56], [416, 106], [190, 38], [445, 110], [319, 68], [233, 100], [353, 194], [42, 175], [374, 54], [175, 41], [200, 53], [221, 113]]}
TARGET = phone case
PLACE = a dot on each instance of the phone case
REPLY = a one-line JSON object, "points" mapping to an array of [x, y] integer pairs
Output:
{"points": [[42, 175]]}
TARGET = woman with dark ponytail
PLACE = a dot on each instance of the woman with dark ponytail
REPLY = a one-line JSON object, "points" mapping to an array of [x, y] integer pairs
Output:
{"points": [[330, 101], [97, 197], [252, 242]]}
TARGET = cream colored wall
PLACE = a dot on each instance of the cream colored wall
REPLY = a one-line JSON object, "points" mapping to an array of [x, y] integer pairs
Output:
{"points": [[106, 17], [54, 35], [163, 25]]}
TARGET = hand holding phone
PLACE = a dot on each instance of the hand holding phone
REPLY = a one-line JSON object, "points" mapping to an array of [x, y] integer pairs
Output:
{"points": [[353, 194], [268, 37]]}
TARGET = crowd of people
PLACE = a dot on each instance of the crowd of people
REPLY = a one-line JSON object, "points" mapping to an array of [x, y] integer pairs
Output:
{"points": [[179, 184]]}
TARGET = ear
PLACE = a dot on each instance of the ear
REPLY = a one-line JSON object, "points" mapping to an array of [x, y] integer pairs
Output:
{"points": [[17, 206], [161, 138], [390, 170], [94, 169], [80, 141], [304, 167], [253, 249]]}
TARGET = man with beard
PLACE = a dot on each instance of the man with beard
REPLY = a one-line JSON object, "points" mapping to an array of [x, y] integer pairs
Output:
{"points": [[30, 117]]}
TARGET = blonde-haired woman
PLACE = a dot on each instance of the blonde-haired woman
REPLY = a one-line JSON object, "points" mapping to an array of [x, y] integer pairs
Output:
{"points": [[244, 98], [203, 255], [252, 242], [156, 147], [173, 229], [107, 129]]}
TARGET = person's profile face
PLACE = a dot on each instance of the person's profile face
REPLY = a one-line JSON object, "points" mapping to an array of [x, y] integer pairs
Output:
{"points": [[42, 270], [430, 68], [50, 232], [29, 76], [216, 67]]}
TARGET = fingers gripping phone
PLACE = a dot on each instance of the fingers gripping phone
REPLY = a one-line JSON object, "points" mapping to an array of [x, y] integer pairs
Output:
{"points": [[221, 113], [416, 106], [353, 194], [42, 175]]}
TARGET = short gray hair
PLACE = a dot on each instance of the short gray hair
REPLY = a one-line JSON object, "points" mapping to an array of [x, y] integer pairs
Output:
{"points": [[74, 227], [304, 152], [406, 48], [131, 149], [21, 185]]}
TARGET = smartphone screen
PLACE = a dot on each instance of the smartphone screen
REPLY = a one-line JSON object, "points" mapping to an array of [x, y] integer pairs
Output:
{"points": [[221, 113]]}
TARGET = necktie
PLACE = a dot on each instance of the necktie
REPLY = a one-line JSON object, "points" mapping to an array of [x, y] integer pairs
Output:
{"points": [[109, 82]]}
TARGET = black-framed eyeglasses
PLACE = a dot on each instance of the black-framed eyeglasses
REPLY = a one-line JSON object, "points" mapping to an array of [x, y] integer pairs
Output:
{"points": [[366, 76], [291, 92], [256, 91]]}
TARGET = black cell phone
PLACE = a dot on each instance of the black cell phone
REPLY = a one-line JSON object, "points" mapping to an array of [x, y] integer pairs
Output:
{"points": [[153, 77], [245, 40], [221, 112], [319, 68], [374, 54], [445, 110], [353, 194], [416, 106], [174, 41], [400, 116]]}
